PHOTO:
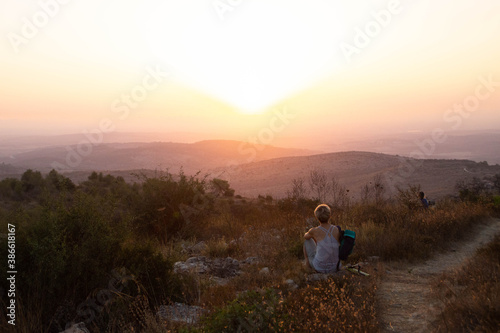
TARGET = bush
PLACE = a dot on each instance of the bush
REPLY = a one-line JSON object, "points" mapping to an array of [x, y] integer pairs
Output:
{"points": [[67, 250], [167, 207], [473, 190], [340, 305], [11, 189], [250, 312], [65, 253], [336, 305], [409, 197]]}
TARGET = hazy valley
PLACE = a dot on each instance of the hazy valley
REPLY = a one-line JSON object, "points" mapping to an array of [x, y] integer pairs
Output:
{"points": [[267, 170]]}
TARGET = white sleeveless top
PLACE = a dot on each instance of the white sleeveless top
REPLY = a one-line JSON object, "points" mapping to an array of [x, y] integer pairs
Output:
{"points": [[327, 253]]}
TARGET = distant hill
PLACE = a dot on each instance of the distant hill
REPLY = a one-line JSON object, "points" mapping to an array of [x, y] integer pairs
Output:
{"points": [[200, 156], [471, 145], [255, 169], [355, 169], [11, 145], [479, 145]]}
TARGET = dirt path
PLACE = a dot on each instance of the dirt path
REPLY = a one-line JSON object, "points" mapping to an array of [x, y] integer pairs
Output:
{"points": [[404, 295]]}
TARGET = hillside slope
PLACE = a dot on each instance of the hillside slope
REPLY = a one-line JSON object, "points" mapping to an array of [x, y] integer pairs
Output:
{"points": [[253, 170], [354, 169]]}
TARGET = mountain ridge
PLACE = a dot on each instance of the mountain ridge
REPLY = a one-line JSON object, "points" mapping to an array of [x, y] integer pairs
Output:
{"points": [[254, 170]]}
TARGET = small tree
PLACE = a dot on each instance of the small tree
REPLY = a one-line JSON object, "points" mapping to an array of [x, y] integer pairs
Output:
{"points": [[409, 197], [374, 191], [169, 206], [496, 182], [471, 190], [339, 193], [221, 187], [318, 183], [366, 193], [11, 188], [298, 190], [58, 182], [32, 180]]}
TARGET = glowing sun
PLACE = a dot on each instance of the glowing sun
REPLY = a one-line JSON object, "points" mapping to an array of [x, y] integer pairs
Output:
{"points": [[252, 57]]}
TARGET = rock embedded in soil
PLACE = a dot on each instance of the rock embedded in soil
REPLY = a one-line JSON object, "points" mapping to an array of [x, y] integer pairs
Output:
{"points": [[77, 328], [264, 271], [195, 249], [250, 261], [291, 284], [198, 265], [180, 313], [220, 267]]}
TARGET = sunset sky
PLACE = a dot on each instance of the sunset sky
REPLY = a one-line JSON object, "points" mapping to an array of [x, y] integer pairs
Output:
{"points": [[229, 68]]}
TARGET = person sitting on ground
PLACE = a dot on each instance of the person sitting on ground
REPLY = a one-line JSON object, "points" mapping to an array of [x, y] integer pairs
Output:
{"points": [[425, 203], [321, 245]]}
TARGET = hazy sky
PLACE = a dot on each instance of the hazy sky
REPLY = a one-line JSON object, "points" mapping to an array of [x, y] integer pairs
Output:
{"points": [[243, 68]]}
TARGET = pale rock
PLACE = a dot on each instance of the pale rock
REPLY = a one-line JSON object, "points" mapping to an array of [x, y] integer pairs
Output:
{"points": [[198, 248], [77, 328], [291, 284], [220, 267], [180, 312], [250, 261]]}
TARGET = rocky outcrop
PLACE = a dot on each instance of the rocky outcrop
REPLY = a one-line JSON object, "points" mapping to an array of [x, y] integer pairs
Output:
{"points": [[197, 265], [219, 267]]}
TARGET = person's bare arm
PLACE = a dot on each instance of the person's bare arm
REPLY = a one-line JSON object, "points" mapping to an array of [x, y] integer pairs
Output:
{"points": [[336, 234], [309, 234]]}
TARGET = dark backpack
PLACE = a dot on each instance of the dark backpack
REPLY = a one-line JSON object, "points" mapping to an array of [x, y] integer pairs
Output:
{"points": [[347, 242]]}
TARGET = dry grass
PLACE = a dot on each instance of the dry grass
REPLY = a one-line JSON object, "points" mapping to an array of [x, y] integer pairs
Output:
{"points": [[344, 304], [394, 233], [471, 296], [390, 232], [220, 248], [275, 237]]}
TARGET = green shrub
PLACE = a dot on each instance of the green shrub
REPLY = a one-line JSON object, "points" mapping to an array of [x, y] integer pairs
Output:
{"points": [[11, 189], [167, 208], [152, 271], [67, 249], [250, 312]]}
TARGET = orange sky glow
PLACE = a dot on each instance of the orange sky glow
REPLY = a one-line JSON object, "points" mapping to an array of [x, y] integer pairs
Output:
{"points": [[340, 68]]}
